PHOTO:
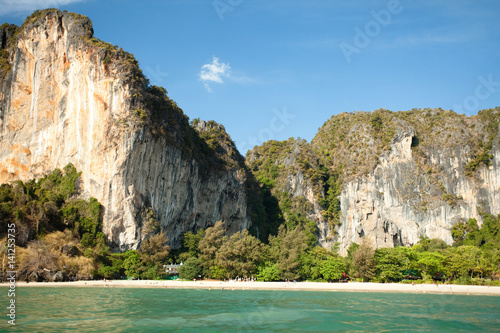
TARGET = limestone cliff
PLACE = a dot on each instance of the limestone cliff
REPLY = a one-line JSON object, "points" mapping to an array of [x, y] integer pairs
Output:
{"points": [[389, 176], [396, 204], [67, 97], [415, 173]]}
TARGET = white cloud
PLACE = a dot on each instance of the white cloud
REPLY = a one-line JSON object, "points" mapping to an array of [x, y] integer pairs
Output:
{"points": [[214, 72], [207, 87], [17, 6]]}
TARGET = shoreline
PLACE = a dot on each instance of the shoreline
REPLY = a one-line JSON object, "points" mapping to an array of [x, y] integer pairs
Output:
{"points": [[449, 289]]}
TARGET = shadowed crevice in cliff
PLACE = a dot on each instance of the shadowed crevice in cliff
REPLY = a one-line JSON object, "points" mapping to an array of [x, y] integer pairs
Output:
{"points": [[7, 37], [292, 183], [263, 208]]}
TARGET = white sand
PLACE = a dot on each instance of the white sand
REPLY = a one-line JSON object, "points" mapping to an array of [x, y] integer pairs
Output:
{"points": [[311, 286]]}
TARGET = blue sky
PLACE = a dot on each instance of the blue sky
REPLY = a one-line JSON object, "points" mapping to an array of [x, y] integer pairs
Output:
{"points": [[273, 69]]}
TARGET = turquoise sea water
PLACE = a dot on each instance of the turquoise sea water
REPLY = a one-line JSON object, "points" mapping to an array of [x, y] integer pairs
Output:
{"points": [[169, 310]]}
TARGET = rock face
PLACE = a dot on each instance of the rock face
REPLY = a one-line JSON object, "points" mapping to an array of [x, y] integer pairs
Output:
{"points": [[389, 208], [412, 174], [70, 98]]}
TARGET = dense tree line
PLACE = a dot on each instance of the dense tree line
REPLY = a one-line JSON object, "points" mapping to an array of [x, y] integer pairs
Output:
{"points": [[48, 205], [473, 259], [58, 231]]}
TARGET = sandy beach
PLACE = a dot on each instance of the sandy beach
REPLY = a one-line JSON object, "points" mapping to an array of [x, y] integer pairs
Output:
{"points": [[303, 286]]}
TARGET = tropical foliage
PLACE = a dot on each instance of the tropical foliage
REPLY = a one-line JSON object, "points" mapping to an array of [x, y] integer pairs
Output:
{"points": [[58, 231]]}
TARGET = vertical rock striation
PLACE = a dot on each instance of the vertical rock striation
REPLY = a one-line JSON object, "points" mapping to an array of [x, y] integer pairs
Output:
{"points": [[412, 174], [396, 204]]}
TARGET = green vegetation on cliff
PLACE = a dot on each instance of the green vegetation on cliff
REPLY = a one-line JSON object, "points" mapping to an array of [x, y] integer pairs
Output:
{"points": [[481, 148], [58, 232], [279, 167], [353, 142], [7, 38], [217, 144], [42, 13]]}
